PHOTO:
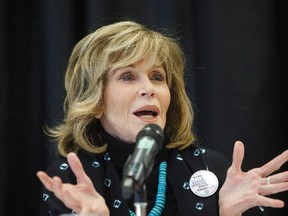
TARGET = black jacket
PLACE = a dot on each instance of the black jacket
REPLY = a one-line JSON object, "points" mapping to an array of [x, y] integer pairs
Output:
{"points": [[105, 170]]}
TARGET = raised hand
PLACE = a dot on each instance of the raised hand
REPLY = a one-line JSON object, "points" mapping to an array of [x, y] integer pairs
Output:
{"points": [[82, 197], [244, 190]]}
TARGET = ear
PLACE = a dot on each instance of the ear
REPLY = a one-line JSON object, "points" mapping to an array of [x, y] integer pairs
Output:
{"points": [[99, 110], [98, 113]]}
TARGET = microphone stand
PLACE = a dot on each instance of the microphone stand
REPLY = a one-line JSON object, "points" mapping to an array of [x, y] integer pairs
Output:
{"points": [[140, 201]]}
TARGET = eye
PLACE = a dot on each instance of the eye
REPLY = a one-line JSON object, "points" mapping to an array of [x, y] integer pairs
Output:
{"points": [[158, 76], [127, 76]]}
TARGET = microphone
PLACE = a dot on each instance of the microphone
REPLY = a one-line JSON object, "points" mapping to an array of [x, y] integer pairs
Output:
{"points": [[138, 166]]}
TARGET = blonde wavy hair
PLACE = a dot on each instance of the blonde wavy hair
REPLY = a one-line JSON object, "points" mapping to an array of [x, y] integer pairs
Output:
{"points": [[93, 58]]}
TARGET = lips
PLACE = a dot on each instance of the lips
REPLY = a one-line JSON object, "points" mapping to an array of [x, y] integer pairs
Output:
{"points": [[147, 112]]}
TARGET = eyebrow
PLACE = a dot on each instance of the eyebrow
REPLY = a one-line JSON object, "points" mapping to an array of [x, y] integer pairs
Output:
{"points": [[133, 66]]}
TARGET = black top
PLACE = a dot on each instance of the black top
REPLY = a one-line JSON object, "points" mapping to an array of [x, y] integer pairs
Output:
{"points": [[105, 171]]}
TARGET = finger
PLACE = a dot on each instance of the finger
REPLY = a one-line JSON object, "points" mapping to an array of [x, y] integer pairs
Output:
{"points": [[57, 187], [46, 180], [274, 164], [273, 188], [270, 202], [76, 167], [238, 156], [66, 194], [277, 178]]}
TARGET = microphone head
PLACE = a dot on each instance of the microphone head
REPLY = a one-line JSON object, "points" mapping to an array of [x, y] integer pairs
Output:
{"points": [[154, 131], [149, 142]]}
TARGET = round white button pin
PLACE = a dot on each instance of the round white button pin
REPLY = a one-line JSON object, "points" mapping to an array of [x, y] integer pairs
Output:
{"points": [[203, 183]]}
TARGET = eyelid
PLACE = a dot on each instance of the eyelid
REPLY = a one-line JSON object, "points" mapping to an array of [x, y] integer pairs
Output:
{"points": [[160, 74], [127, 76], [118, 73]]}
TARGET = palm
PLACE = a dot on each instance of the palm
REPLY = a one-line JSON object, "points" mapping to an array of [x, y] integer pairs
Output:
{"points": [[244, 190], [81, 197]]}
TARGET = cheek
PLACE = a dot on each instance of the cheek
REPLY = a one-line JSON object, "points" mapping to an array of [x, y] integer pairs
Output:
{"points": [[166, 99], [116, 102], [112, 107]]}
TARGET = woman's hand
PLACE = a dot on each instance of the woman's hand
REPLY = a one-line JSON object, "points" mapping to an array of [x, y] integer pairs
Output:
{"points": [[82, 197], [244, 190]]}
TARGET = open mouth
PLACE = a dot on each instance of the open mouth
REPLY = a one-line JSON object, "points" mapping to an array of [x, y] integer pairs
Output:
{"points": [[147, 114]]}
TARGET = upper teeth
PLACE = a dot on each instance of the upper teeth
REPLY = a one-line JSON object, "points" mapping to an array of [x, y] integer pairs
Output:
{"points": [[146, 113], [147, 116]]}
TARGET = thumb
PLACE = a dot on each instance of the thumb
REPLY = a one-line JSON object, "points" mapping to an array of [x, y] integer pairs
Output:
{"points": [[76, 167], [238, 156]]}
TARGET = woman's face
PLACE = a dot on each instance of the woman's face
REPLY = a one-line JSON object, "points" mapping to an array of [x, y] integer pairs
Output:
{"points": [[135, 96]]}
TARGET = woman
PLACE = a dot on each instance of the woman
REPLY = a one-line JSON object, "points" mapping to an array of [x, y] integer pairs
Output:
{"points": [[119, 79]]}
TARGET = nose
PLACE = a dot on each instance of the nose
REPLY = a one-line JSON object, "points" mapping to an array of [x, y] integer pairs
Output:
{"points": [[146, 92], [147, 89]]}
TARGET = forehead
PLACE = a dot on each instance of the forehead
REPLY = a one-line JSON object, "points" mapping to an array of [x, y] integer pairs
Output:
{"points": [[147, 63]]}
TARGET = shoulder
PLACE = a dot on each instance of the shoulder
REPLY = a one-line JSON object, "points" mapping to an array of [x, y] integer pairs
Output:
{"points": [[196, 151], [61, 168], [198, 157]]}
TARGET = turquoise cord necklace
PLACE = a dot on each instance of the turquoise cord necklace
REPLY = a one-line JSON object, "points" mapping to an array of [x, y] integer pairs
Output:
{"points": [[161, 192]]}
